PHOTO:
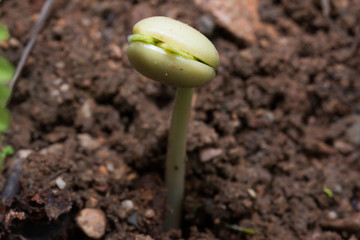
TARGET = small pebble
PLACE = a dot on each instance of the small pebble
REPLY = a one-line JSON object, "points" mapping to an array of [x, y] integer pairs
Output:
{"points": [[87, 142], [251, 193], [58, 81], [14, 42], [86, 109], [24, 153], [149, 213], [103, 170], [127, 204], [92, 222], [56, 148], [60, 65], [110, 167], [133, 219], [209, 153], [338, 188], [115, 51], [86, 22], [64, 87], [247, 203], [54, 93], [343, 147], [332, 215], [60, 183]]}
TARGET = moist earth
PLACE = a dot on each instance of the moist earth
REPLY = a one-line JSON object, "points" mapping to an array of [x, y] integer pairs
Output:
{"points": [[273, 141]]}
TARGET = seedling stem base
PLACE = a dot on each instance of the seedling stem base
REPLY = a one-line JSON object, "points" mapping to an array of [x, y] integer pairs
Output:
{"points": [[175, 158]]}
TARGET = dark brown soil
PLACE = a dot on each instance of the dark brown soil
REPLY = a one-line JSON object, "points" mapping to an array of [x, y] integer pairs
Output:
{"points": [[282, 116]]}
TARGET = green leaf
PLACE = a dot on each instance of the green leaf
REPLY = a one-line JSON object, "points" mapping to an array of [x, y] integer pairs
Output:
{"points": [[7, 150], [4, 119], [328, 192], [4, 95], [241, 229], [4, 33], [6, 70]]}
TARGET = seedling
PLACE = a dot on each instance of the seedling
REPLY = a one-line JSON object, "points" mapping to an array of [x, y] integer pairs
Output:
{"points": [[173, 53]]}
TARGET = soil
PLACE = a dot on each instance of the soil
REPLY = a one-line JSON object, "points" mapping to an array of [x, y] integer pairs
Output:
{"points": [[276, 129]]}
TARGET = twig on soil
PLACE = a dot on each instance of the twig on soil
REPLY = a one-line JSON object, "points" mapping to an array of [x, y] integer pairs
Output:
{"points": [[349, 224], [45, 11], [12, 183]]}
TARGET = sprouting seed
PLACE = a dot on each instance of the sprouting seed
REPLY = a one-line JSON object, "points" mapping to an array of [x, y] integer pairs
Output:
{"points": [[173, 53]]}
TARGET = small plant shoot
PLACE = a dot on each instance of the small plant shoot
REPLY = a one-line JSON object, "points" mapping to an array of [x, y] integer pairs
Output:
{"points": [[241, 229], [6, 151], [328, 192], [173, 53]]}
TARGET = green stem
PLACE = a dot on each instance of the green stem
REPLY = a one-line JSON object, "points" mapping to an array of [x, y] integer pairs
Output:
{"points": [[175, 158]]}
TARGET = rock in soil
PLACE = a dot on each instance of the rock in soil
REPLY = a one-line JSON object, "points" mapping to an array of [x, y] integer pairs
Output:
{"points": [[92, 222]]}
